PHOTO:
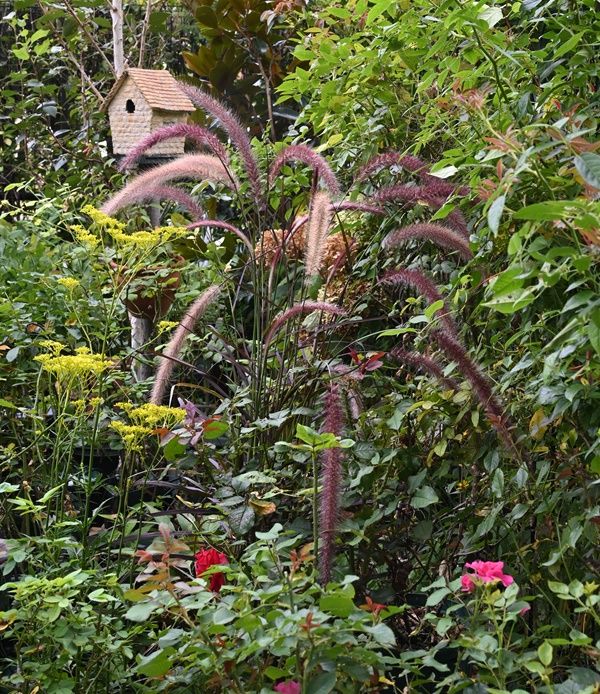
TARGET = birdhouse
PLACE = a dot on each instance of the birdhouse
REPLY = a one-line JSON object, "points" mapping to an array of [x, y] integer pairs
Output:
{"points": [[142, 101]]}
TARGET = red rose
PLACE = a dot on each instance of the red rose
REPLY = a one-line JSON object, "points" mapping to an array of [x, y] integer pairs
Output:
{"points": [[206, 558]]}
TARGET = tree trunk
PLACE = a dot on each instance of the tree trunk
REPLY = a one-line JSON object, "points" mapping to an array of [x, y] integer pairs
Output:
{"points": [[116, 13]]}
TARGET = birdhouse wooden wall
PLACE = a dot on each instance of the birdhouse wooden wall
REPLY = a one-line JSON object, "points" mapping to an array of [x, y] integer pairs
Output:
{"points": [[142, 101], [130, 117]]}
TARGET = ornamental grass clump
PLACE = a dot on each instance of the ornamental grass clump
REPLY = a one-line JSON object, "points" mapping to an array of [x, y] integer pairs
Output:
{"points": [[331, 484]]}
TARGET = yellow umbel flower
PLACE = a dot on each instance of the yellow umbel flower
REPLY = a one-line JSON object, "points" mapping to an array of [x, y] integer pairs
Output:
{"points": [[125, 406], [66, 367], [145, 240], [102, 220], [165, 325], [55, 347], [92, 403], [84, 237], [70, 283], [152, 415], [132, 434]]}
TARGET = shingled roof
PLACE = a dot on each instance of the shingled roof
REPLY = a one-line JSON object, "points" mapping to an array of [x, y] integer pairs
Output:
{"points": [[158, 87]]}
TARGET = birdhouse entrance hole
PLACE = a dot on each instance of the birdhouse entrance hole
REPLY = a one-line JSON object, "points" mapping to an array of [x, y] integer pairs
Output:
{"points": [[129, 106]]}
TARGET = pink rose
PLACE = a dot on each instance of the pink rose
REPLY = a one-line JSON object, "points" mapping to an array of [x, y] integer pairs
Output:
{"points": [[289, 687], [485, 572], [206, 558], [466, 583]]}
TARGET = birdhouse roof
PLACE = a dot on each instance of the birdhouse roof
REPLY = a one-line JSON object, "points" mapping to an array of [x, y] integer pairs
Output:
{"points": [[158, 87]]}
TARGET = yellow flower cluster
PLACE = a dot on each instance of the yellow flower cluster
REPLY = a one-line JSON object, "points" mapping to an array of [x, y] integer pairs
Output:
{"points": [[52, 345], [138, 240], [92, 403], [84, 237], [153, 415], [146, 419], [103, 220], [165, 325], [65, 367], [132, 434], [69, 283], [146, 240]]}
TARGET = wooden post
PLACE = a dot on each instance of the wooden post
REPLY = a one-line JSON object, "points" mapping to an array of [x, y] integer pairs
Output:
{"points": [[141, 328]]}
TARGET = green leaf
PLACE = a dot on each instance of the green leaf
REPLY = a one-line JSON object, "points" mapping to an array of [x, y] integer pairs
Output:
{"points": [[21, 53], [425, 496], [141, 611], [559, 588], [339, 12], [382, 634], [495, 213], [568, 45], [508, 281], [545, 653], [157, 664], [50, 493], [223, 615], [490, 15], [588, 165], [437, 596], [337, 605], [322, 683], [12, 354], [213, 428], [306, 434], [241, 519], [594, 330], [535, 666], [433, 308], [173, 449], [7, 404], [272, 534], [544, 211], [377, 10], [498, 483]]}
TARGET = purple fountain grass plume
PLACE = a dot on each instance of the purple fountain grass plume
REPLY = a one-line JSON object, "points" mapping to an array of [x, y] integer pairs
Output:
{"points": [[413, 164], [387, 159], [404, 192], [436, 233], [480, 383], [173, 194], [414, 194], [331, 484], [217, 223], [357, 206], [348, 205], [417, 280], [173, 349], [234, 129], [442, 188], [308, 156], [319, 220], [296, 309], [355, 405], [199, 135], [425, 363], [409, 162], [202, 166], [437, 185], [376, 163], [457, 220]]}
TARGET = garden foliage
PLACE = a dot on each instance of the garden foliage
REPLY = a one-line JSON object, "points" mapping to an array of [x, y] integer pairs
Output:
{"points": [[367, 457]]}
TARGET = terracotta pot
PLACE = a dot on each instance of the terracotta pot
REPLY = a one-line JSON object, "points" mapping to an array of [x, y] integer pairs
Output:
{"points": [[150, 292]]}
